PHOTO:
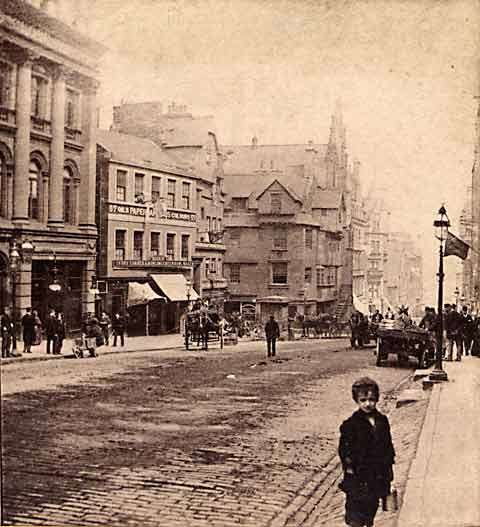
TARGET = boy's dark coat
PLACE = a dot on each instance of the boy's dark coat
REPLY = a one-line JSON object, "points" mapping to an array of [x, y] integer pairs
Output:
{"points": [[369, 452]]}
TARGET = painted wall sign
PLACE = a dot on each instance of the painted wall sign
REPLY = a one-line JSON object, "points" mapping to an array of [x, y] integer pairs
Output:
{"points": [[135, 210], [151, 263]]}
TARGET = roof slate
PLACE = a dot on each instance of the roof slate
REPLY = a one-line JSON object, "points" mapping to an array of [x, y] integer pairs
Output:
{"points": [[128, 149]]}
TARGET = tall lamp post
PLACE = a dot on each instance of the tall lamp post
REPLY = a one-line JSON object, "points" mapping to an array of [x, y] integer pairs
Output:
{"points": [[187, 309], [441, 225], [14, 266]]}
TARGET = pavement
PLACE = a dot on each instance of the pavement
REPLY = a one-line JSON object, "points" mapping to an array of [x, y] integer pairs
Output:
{"points": [[443, 486], [150, 343]]}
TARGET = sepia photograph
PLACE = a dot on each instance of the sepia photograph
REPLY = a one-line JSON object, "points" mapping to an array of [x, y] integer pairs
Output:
{"points": [[240, 263]]}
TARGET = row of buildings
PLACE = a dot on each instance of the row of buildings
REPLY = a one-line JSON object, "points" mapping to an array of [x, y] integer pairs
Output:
{"points": [[156, 212]]}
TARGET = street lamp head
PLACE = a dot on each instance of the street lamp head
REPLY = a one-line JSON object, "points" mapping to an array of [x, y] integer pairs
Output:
{"points": [[14, 256], [441, 224]]}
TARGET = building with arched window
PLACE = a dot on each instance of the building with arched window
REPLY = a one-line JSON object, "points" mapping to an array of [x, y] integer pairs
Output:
{"points": [[47, 160]]}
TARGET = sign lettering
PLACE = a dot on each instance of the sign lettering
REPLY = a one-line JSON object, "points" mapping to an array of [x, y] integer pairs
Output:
{"points": [[151, 263], [135, 210]]}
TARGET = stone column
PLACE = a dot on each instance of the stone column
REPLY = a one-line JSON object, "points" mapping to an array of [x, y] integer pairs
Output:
{"points": [[22, 140], [55, 205], [88, 159]]}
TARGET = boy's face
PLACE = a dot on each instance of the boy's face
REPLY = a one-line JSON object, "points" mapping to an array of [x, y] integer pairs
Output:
{"points": [[367, 402]]}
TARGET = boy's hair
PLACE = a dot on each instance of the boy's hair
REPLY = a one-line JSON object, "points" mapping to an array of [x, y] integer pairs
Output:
{"points": [[365, 385]]}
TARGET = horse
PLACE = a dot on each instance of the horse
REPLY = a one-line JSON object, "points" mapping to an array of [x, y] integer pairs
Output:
{"points": [[198, 327]]}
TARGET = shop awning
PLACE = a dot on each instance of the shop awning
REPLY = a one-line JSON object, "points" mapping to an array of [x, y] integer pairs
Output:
{"points": [[141, 294], [359, 305], [174, 287]]}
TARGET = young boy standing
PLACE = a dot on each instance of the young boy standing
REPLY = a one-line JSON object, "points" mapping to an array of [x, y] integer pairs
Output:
{"points": [[367, 455]]}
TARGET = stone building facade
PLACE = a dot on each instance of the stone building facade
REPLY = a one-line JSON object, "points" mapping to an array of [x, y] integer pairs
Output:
{"points": [[191, 140], [147, 218], [284, 232], [47, 162]]}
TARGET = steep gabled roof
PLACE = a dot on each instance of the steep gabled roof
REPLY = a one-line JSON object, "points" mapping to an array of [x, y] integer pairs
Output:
{"points": [[129, 149], [327, 199], [247, 159], [284, 184]]}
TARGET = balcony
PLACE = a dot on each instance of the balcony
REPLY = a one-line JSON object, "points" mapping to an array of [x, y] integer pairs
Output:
{"points": [[72, 134], [7, 116], [41, 125]]}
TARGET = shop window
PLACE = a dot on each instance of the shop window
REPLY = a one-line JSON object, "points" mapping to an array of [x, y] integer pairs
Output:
{"points": [[33, 182], [121, 193], [120, 244], [185, 195], [170, 246], [138, 245], [185, 246], [154, 244], [280, 273], [235, 273]]}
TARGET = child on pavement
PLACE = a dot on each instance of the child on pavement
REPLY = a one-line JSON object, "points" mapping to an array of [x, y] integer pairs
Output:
{"points": [[367, 455]]}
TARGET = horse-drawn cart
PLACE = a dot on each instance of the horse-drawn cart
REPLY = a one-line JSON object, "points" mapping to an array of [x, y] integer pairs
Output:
{"points": [[405, 342], [201, 327]]}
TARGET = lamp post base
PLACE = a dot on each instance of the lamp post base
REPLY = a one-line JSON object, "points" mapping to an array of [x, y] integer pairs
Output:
{"points": [[438, 376]]}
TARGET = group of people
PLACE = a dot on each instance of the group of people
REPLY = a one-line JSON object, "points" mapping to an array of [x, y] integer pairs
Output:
{"points": [[54, 330], [461, 330]]}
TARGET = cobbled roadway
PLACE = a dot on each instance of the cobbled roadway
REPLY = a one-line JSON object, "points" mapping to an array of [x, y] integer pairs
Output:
{"points": [[166, 441]]}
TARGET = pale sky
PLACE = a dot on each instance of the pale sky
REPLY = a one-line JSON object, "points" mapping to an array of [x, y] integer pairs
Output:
{"points": [[405, 71]]}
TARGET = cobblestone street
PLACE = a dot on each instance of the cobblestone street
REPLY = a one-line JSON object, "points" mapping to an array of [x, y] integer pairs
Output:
{"points": [[190, 439]]}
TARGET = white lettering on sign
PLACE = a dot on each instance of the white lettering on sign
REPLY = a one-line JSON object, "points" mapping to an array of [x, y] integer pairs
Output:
{"points": [[133, 210]]}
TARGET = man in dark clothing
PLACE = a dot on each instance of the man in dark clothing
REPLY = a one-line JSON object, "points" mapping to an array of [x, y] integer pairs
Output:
{"points": [[6, 332], [466, 331], [272, 332], [28, 330], [51, 331], [377, 317], [453, 325], [118, 327], [356, 327], [429, 320]]}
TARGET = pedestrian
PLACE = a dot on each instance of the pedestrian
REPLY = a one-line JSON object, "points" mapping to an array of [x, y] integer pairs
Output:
{"points": [[476, 336], [389, 315], [105, 324], [60, 332], [272, 332], [6, 333], [377, 317], [118, 326], [93, 335], [367, 455], [356, 329], [28, 330], [453, 324], [466, 330], [38, 328], [51, 331]]}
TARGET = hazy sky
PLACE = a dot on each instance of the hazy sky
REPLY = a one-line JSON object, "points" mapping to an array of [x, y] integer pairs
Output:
{"points": [[406, 73]]}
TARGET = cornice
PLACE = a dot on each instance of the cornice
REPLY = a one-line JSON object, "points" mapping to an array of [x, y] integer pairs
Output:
{"points": [[42, 44]]}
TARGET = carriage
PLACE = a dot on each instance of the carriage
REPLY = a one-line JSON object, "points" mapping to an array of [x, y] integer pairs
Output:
{"points": [[201, 327], [405, 342]]}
